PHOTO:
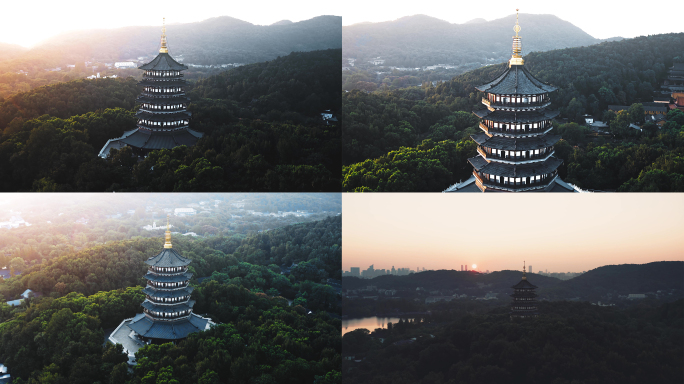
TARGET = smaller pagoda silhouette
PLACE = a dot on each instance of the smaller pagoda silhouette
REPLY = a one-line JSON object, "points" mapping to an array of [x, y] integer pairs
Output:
{"points": [[524, 299]]}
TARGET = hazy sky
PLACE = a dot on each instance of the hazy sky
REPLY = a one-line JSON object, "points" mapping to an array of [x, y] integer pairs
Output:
{"points": [[601, 19], [557, 232], [28, 22]]}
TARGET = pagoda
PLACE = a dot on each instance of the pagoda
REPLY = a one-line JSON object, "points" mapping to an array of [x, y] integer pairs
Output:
{"points": [[163, 119], [167, 310], [524, 299], [515, 147]]}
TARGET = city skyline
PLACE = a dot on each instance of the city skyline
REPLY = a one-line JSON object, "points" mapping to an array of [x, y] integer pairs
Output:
{"points": [[496, 232]]}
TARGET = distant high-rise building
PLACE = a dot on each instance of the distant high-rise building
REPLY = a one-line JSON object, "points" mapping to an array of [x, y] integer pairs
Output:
{"points": [[355, 271], [524, 299], [530, 269]]}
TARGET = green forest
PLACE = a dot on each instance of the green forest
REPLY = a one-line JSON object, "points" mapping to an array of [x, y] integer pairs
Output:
{"points": [[262, 126], [391, 135], [568, 343], [58, 337]]}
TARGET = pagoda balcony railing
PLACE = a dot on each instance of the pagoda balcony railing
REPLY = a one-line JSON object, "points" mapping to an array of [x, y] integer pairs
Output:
{"points": [[165, 128], [516, 132], [514, 187], [157, 273], [166, 318], [181, 284], [162, 94], [162, 302], [517, 106], [146, 76], [165, 111], [165, 288], [512, 159]]}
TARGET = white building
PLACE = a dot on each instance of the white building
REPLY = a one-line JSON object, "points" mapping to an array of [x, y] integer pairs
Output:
{"points": [[184, 212], [633, 296], [125, 64]]}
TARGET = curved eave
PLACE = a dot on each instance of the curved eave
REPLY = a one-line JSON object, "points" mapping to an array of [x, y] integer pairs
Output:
{"points": [[163, 100], [516, 80], [501, 116], [167, 294], [168, 257], [163, 83], [515, 144], [163, 62], [151, 116], [168, 279], [515, 170], [185, 306]]}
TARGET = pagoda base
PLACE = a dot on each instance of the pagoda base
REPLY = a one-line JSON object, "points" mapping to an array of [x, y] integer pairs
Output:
{"points": [[139, 331], [144, 141]]}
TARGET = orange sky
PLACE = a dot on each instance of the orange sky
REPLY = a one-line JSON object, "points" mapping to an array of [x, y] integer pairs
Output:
{"points": [[561, 233]]}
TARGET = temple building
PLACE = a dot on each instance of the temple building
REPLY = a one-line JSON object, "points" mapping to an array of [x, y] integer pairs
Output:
{"points": [[163, 120], [515, 148], [167, 310], [524, 299]]}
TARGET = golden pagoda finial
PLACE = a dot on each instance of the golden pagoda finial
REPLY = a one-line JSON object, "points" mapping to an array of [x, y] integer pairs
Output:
{"points": [[524, 277], [163, 48], [516, 59], [167, 243]]}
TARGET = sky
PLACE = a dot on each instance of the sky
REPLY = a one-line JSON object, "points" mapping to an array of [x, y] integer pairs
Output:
{"points": [[33, 21], [554, 232], [601, 19]]}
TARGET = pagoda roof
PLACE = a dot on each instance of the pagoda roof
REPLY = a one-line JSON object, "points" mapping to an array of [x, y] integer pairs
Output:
{"points": [[168, 308], [516, 80], [161, 116], [163, 62], [515, 170], [516, 117], [168, 257], [163, 100], [169, 278], [515, 144], [524, 284], [153, 139], [160, 82], [169, 330], [167, 294]]}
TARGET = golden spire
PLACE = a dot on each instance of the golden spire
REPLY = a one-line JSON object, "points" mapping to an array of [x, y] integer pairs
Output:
{"points": [[163, 48], [167, 244], [516, 59], [524, 277]]}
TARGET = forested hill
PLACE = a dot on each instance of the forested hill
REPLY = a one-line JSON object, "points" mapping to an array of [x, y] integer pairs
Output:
{"points": [[304, 82], [64, 100], [218, 40], [593, 285], [10, 51], [617, 72], [625, 279], [421, 40]]}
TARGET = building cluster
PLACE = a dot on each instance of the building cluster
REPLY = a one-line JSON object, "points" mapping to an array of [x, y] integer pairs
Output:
{"points": [[14, 222], [371, 272]]}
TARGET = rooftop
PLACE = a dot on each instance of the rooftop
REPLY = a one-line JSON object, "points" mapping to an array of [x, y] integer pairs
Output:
{"points": [[168, 257], [163, 62], [516, 80]]}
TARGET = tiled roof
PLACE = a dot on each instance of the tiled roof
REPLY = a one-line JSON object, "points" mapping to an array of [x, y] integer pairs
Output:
{"points": [[524, 284], [515, 170], [512, 144], [164, 294], [163, 62], [169, 279], [516, 80], [169, 330], [516, 117], [184, 306], [168, 257]]}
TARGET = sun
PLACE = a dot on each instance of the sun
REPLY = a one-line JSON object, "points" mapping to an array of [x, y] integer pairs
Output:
{"points": [[474, 266]]}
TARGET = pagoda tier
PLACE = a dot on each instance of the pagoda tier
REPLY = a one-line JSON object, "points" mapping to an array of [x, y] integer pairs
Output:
{"points": [[515, 148], [524, 299], [163, 118]]}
